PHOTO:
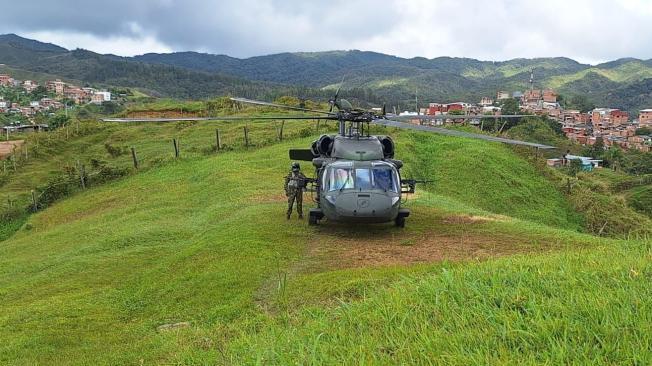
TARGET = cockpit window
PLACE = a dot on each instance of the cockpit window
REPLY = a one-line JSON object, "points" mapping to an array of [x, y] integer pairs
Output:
{"points": [[340, 178], [363, 179], [384, 179], [376, 177]]}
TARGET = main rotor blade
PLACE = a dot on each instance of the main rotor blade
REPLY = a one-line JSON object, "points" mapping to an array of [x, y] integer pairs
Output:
{"points": [[268, 104], [226, 118], [427, 117], [444, 131]]}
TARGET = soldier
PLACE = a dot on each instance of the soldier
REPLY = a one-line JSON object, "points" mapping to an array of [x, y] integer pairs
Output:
{"points": [[295, 182]]}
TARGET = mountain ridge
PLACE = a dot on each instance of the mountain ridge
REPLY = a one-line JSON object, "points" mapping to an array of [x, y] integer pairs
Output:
{"points": [[390, 78]]}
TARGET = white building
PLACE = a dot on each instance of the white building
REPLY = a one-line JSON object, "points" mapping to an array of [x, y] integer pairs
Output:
{"points": [[105, 95]]}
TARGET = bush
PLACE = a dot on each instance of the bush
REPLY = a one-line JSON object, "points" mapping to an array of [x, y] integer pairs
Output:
{"points": [[105, 173], [10, 214], [115, 151], [56, 189]]}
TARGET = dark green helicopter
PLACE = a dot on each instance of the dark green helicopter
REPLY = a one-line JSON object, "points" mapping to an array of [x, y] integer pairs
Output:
{"points": [[357, 178]]}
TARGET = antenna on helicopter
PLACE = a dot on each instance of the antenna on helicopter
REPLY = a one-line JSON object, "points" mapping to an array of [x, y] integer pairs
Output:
{"points": [[333, 102], [531, 79]]}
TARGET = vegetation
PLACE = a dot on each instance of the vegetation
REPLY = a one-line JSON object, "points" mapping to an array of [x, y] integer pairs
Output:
{"points": [[372, 77], [162, 249]]}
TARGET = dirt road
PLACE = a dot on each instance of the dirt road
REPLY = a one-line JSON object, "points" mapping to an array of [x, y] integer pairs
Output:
{"points": [[7, 147]]}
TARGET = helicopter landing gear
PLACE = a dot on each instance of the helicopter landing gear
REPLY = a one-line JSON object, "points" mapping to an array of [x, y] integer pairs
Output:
{"points": [[314, 216], [400, 219]]}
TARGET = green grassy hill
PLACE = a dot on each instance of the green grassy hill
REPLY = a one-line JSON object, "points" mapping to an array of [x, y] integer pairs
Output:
{"points": [[489, 269]]}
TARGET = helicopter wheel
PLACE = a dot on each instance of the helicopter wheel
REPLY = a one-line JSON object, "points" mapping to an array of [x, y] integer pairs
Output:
{"points": [[312, 220], [400, 221]]}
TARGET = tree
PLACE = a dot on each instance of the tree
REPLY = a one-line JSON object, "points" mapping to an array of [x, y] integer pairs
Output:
{"points": [[59, 120], [644, 131], [579, 102], [39, 92], [510, 106], [637, 162], [613, 157], [597, 149]]}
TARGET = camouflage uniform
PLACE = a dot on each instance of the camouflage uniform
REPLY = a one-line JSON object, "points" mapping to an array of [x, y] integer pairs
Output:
{"points": [[295, 182]]}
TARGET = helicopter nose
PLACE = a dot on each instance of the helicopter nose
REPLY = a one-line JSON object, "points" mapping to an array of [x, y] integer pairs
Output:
{"points": [[363, 205]]}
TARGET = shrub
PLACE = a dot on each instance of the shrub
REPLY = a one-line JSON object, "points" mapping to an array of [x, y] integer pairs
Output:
{"points": [[115, 151]]}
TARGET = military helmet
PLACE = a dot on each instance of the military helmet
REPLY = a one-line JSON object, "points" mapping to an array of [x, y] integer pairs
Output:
{"points": [[295, 166]]}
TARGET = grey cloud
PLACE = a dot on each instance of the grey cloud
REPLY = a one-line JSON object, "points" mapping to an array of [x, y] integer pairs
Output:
{"points": [[499, 29]]}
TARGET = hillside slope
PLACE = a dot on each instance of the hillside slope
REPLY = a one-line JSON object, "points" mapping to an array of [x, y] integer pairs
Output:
{"points": [[109, 70], [204, 240]]}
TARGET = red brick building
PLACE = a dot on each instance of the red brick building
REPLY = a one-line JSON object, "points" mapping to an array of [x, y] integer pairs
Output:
{"points": [[645, 117]]}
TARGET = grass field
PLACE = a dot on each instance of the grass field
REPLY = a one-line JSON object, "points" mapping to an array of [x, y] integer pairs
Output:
{"points": [[479, 275]]}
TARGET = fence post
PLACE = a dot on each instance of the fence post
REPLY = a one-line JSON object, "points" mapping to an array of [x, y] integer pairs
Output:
{"points": [[318, 122], [133, 156], [35, 205], [280, 131], [82, 176], [218, 140], [175, 143], [246, 136]]}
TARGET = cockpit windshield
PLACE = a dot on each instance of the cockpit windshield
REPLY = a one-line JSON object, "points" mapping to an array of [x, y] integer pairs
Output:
{"points": [[343, 177]]}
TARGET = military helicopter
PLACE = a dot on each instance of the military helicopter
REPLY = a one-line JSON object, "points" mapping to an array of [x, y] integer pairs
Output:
{"points": [[357, 178]]}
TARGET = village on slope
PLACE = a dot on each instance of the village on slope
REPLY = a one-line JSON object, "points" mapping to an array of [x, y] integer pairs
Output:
{"points": [[55, 95], [610, 126]]}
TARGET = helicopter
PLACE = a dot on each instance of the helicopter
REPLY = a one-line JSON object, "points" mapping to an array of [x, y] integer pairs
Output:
{"points": [[357, 179]]}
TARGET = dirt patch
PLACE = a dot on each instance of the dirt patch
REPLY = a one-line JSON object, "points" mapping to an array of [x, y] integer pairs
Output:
{"points": [[162, 114], [7, 147], [272, 198], [450, 238], [349, 253], [470, 219]]}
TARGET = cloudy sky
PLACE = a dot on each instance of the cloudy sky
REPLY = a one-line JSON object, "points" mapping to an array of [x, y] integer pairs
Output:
{"points": [[587, 30]]}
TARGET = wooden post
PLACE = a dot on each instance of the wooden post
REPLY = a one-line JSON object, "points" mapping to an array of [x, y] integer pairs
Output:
{"points": [[34, 203], [133, 156], [7, 133], [246, 136], [4, 166], [318, 121], [503, 126], [25, 147], [218, 140], [175, 143], [280, 131], [82, 174]]}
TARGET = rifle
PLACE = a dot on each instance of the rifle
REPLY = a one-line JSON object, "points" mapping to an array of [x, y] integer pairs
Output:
{"points": [[409, 185]]}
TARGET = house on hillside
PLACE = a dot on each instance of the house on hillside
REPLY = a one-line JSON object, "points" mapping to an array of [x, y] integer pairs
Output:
{"points": [[6, 80], [25, 128], [645, 117], [502, 95], [57, 86], [486, 101], [29, 85], [587, 163]]}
